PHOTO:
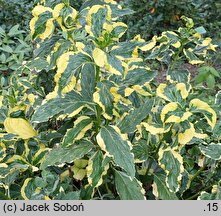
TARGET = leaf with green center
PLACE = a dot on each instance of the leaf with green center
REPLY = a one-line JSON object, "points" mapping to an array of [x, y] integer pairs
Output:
{"points": [[71, 104], [128, 188], [139, 76], [81, 126], [104, 98], [135, 117], [88, 81], [212, 151], [117, 147], [98, 166], [160, 190], [61, 155], [172, 163], [69, 66]]}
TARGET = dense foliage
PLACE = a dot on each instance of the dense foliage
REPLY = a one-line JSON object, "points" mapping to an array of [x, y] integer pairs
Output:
{"points": [[151, 17], [84, 117]]}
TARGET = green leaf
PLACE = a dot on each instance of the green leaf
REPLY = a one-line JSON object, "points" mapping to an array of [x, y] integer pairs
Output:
{"points": [[15, 31], [201, 30], [74, 62], [117, 147], [4, 197], [214, 195], [72, 103], [97, 167], [141, 151], [214, 72], [135, 117], [160, 190], [127, 187], [179, 76], [212, 151], [88, 81], [104, 98], [81, 126], [62, 155], [2, 31], [139, 76], [193, 59], [73, 195], [172, 163], [202, 75], [210, 81], [7, 49]]}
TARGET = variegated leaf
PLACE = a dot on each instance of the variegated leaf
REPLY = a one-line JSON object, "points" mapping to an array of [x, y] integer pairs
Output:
{"points": [[199, 106], [135, 117], [61, 155], [71, 104], [160, 189], [98, 166], [81, 126], [104, 99], [139, 76], [214, 195], [117, 146], [69, 65], [42, 25], [88, 81], [128, 188], [213, 150], [172, 163], [178, 76]]}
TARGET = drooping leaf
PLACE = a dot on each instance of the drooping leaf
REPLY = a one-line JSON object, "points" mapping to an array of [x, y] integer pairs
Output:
{"points": [[193, 59], [96, 169], [128, 188], [160, 189], [88, 81], [117, 147], [105, 100], [172, 163]]}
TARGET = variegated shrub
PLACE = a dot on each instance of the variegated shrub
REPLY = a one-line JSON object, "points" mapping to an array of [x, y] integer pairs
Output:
{"points": [[101, 129]]}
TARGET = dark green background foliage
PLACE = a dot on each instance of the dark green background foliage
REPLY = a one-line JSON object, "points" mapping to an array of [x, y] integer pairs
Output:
{"points": [[154, 16], [13, 12]]}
